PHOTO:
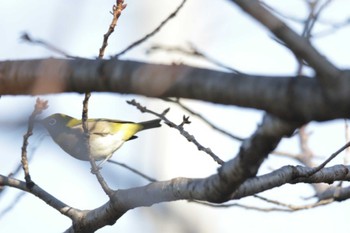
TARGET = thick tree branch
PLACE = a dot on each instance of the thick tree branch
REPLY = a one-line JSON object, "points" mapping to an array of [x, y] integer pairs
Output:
{"points": [[191, 189], [299, 99], [252, 153], [291, 175], [184, 188], [43, 195], [300, 46], [337, 193]]}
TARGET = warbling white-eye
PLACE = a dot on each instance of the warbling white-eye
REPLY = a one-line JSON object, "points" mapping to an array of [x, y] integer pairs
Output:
{"points": [[106, 136]]}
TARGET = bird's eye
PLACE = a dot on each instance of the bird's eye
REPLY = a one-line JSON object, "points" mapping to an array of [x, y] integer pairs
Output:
{"points": [[52, 121]]}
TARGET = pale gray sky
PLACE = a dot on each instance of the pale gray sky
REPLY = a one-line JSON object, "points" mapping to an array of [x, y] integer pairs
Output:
{"points": [[219, 29]]}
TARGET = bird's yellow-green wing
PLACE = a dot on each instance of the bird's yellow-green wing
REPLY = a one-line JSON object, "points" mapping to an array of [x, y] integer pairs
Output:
{"points": [[73, 122], [125, 129]]}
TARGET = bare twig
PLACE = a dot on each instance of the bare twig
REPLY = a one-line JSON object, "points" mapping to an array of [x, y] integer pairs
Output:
{"points": [[193, 51], [313, 17], [306, 153], [333, 28], [243, 206], [40, 105], [94, 168], [285, 154], [292, 208], [285, 207], [85, 112], [116, 12], [12, 204], [133, 170], [26, 37], [17, 169], [309, 24], [157, 29], [298, 45], [211, 124], [330, 158], [179, 127], [347, 139]]}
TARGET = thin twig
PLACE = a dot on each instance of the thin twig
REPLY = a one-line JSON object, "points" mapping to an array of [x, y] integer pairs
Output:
{"points": [[12, 204], [116, 12], [333, 28], [295, 207], [26, 37], [317, 15], [330, 158], [243, 206], [94, 168], [309, 24], [310, 21], [157, 29], [211, 124], [133, 170], [179, 127], [307, 154], [302, 21], [16, 200], [195, 52], [85, 112], [40, 105], [285, 207], [284, 15], [17, 169], [347, 139]]}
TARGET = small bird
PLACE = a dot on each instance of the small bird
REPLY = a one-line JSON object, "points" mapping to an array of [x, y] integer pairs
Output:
{"points": [[106, 135]]}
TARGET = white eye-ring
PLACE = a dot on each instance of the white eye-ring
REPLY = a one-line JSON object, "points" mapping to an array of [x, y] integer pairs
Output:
{"points": [[52, 121]]}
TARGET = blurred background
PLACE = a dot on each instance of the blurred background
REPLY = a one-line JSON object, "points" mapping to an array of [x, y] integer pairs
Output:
{"points": [[217, 28]]}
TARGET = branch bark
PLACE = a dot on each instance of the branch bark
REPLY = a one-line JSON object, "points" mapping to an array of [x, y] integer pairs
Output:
{"points": [[300, 46], [299, 99], [180, 189]]}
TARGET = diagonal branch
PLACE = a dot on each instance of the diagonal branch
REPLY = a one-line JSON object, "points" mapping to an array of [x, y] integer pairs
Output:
{"points": [[149, 35], [297, 44], [194, 189], [204, 119], [252, 153], [180, 128], [43, 195], [40, 105], [291, 175]]}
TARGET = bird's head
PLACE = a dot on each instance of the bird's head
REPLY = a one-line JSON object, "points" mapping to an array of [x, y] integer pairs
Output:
{"points": [[57, 122]]}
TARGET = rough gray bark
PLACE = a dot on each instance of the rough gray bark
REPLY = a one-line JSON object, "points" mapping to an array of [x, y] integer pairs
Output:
{"points": [[300, 99]]}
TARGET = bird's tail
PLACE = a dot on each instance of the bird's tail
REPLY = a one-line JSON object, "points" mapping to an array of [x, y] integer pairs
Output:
{"points": [[151, 124]]}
